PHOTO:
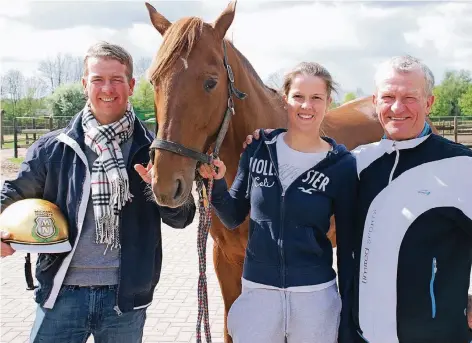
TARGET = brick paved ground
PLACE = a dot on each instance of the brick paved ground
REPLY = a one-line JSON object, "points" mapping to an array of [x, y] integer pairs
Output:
{"points": [[171, 317]]}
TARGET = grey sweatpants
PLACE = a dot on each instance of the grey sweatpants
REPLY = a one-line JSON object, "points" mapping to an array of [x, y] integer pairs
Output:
{"points": [[271, 316]]}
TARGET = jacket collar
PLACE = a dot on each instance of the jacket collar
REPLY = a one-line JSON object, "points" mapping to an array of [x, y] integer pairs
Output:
{"points": [[389, 145], [269, 140], [141, 136]]}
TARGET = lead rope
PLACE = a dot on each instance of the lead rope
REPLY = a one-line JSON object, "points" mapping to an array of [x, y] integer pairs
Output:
{"points": [[204, 225]]}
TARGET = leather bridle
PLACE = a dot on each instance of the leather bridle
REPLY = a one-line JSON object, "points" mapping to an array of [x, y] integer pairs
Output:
{"points": [[203, 157]]}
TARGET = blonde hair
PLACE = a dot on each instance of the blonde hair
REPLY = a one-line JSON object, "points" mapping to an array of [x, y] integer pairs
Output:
{"points": [[110, 51], [313, 69]]}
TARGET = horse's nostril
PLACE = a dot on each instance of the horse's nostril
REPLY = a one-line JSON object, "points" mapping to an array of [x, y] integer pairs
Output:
{"points": [[179, 189]]}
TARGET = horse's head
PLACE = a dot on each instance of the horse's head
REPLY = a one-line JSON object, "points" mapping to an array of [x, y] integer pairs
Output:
{"points": [[190, 95]]}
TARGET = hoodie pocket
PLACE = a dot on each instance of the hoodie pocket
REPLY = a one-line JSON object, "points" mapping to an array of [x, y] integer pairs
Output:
{"points": [[434, 270], [311, 239], [302, 246], [262, 245]]}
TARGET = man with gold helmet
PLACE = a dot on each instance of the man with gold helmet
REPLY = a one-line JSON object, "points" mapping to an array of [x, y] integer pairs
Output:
{"points": [[104, 283]]}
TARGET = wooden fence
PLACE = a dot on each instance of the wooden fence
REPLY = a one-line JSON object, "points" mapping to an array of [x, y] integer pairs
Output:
{"points": [[457, 128], [21, 132]]}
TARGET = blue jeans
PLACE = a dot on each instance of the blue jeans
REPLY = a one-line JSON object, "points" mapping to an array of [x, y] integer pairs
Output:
{"points": [[82, 311]]}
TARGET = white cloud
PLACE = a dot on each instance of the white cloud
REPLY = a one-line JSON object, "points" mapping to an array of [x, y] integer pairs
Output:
{"points": [[145, 37], [348, 37], [447, 27], [17, 8]]}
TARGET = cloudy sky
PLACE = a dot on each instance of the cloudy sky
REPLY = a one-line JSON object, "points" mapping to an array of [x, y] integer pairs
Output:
{"points": [[349, 37]]}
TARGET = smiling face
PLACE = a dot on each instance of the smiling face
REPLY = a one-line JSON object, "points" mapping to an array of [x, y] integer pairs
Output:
{"points": [[401, 103], [108, 88], [307, 103]]}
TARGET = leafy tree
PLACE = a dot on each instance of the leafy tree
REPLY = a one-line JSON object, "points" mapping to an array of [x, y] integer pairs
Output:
{"points": [[449, 92], [143, 97], [348, 97], [465, 102], [334, 104], [67, 100]]}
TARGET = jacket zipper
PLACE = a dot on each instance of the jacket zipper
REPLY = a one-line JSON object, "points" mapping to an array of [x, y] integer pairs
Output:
{"points": [[431, 288], [116, 307], [397, 157], [282, 209], [281, 229]]}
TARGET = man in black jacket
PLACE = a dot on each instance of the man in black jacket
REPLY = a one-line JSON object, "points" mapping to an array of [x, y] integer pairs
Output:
{"points": [[105, 283], [414, 229]]}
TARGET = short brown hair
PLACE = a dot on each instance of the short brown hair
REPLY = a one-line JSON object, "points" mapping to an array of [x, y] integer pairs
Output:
{"points": [[313, 69], [110, 51]]}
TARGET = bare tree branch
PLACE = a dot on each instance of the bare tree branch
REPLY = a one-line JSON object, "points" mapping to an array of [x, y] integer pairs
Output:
{"points": [[13, 87], [141, 66]]}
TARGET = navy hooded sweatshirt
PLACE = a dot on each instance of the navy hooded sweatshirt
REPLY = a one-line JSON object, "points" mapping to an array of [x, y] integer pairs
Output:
{"points": [[287, 245]]}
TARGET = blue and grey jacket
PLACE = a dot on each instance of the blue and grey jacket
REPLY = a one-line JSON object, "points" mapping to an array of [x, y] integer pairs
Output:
{"points": [[413, 241], [56, 169], [287, 243]]}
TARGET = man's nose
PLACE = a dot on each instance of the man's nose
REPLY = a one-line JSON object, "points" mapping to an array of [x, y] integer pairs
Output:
{"points": [[107, 87], [397, 106]]}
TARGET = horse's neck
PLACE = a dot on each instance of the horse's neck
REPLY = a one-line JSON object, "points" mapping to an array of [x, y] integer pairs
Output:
{"points": [[262, 108]]}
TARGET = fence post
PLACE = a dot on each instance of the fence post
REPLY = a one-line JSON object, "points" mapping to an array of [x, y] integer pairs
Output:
{"points": [[34, 127], [50, 123], [2, 128], [15, 138], [455, 129]]}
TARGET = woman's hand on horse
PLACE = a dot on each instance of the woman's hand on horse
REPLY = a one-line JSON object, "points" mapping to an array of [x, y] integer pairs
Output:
{"points": [[254, 135], [208, 172], [144, 172]]}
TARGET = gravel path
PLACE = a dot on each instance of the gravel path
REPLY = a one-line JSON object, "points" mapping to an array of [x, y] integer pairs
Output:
{"points": [[8, 169]]}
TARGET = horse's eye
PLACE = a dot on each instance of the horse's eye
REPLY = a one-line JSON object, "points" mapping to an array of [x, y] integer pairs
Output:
{"points": [[209, 84]]}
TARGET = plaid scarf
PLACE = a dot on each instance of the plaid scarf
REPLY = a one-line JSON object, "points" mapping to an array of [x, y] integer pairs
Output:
{"points": [[110, 184]]}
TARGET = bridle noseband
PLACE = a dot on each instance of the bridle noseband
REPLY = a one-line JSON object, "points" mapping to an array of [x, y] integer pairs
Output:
{"points": [[202, 157]]}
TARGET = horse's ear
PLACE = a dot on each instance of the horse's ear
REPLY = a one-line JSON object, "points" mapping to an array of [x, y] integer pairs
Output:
{"points": [[158, 20], [225, 19]]}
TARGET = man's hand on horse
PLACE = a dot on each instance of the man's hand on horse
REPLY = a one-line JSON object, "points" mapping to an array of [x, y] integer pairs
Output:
{"points": [[5, 249], [208, 172], [144, 172], [254, 135]]}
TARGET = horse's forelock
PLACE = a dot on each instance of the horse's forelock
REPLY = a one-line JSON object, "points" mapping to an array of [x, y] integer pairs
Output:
{"points": [[179, 40]]}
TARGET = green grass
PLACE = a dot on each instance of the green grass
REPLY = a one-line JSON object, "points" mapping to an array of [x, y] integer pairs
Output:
{"points": [[17, 160], [9, 145]]}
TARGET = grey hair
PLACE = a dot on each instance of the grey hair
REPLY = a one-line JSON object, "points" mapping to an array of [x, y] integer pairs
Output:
{"points": [[406, 64], [110, 51]]}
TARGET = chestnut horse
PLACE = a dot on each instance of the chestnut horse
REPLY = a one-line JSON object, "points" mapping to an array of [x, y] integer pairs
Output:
{"points": [[191, 89]]}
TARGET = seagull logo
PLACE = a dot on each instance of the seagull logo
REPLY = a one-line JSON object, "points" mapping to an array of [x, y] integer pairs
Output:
{"points": [[424, 191], [308, 191]]}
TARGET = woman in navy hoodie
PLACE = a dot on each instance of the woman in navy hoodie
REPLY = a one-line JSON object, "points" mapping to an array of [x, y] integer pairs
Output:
{"points": [[291, 182]]}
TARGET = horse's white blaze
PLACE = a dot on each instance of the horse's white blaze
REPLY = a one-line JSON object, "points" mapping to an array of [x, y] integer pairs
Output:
{"points": [[185, 62]]}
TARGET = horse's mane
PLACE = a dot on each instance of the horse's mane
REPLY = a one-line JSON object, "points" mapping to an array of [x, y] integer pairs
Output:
{"points": [[179, 39]]}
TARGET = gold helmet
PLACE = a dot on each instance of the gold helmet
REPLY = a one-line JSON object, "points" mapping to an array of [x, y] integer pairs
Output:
{"points": [[35, 225]]}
